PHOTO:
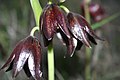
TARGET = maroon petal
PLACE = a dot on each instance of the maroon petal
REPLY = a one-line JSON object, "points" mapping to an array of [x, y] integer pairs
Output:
{"points": [[22, 55], [8, 61], [71, 46], [12, 56], [61, 20], [34, 67], [35, 59], [47, 22]]}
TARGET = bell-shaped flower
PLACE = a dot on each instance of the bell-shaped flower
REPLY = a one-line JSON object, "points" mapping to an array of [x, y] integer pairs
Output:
{"points": [[81, 30], [53, 20], [97, 12], [26, 55]]}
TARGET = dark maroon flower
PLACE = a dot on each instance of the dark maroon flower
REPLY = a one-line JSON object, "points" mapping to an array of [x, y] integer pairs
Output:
{"points": [[81, 30], [53, 20], [97, 12], [26, 55]]}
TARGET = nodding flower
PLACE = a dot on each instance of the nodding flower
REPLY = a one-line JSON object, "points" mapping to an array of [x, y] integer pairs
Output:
{"points": [[81, 30], [54, 21], [27, 56], [97, 12]]}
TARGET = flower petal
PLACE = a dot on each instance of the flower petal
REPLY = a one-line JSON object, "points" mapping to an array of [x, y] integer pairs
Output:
{"points": [[10, 67], [12, 56], [61, 20], [48, 22], [19, 62], [72, 46], [79, 45], [34, 60], [37, 59], [32, 67], [8, 61], [92, 33], [91, 39]]}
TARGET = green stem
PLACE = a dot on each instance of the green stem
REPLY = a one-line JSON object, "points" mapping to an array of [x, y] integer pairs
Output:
{"points": [[50, 62], [86, 9], [87, 67], [50, 58], [88, 50]]}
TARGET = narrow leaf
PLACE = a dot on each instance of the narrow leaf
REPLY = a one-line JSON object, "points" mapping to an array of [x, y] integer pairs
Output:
{"points": [[101, 23], [37, 9]]}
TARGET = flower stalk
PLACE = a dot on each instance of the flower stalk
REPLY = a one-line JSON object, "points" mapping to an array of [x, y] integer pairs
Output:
{"points": [[86, 9], [65, 8], [50, 62], [33, 30], [88, 50]]}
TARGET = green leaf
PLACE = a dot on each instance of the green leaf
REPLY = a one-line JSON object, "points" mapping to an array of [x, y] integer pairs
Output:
{"points": [[101, 23], [37, 9]]}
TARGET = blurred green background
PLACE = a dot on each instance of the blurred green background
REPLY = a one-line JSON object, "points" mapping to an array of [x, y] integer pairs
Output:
{"points": [[17, 19]]}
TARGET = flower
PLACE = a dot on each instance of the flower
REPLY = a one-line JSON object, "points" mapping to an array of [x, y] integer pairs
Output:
{"points": [[53, 20], [81, 30], [97, 12], [26, 55]]}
